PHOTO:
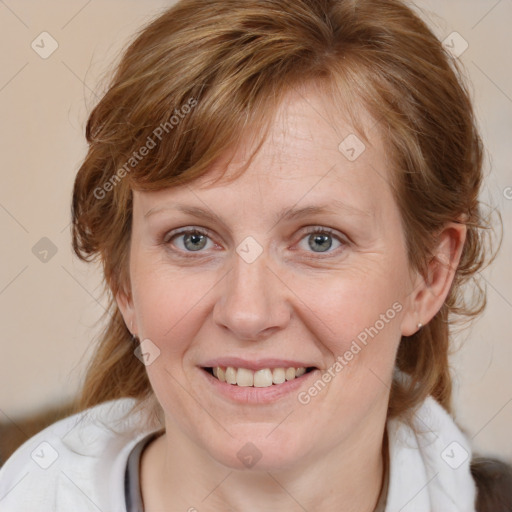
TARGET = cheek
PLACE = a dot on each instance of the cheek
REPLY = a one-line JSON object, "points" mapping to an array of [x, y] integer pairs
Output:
{"points": [[170, 308], [358, 305], [168, 305], [357, 321]]}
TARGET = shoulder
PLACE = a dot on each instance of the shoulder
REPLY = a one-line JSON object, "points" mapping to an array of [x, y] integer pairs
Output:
{"points": [[75, 464], [431, 459], [429, 462], [492, 477]]}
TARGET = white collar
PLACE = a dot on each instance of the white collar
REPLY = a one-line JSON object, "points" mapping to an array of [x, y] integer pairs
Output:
{"points": [[430, 464]]}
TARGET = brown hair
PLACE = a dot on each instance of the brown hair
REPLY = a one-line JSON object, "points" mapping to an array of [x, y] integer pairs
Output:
{"points": [[231, 62]]}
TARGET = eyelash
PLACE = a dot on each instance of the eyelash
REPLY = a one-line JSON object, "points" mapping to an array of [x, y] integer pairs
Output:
{"points": [[170, 236]]}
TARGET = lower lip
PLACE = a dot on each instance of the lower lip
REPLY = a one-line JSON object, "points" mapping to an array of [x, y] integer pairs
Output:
{"points": [[252, 395]]}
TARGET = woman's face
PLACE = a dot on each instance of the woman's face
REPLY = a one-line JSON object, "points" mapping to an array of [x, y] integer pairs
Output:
{"points": [[233, 275]]}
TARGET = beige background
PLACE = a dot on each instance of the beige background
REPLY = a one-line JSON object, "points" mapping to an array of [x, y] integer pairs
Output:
{"points": [[49, 310]]}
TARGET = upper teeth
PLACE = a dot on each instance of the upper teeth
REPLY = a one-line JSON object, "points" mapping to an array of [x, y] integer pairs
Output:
{"points": [[260, 378]]}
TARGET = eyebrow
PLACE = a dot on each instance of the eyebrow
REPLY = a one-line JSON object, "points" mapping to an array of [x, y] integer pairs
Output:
{"points": [[286, 214]]}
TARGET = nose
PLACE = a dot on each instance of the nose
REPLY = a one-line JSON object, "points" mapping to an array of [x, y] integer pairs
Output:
{"points": [[252, 303]]}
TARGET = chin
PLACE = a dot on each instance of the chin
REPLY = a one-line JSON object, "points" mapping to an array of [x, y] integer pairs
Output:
{"points": [[257, 451]]}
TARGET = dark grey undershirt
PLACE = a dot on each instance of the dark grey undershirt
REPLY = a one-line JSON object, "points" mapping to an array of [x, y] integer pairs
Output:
{"points": [[132, 494]]}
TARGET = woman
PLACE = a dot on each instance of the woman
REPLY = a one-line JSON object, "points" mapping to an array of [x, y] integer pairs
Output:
{"points": [[284, 199]]}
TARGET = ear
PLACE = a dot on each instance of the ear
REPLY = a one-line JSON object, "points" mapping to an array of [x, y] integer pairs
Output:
{"points": [[125, 304], [430, 292]]}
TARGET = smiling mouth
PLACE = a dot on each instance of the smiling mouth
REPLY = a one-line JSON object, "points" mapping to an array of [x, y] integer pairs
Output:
{"points": [[263, 378]]}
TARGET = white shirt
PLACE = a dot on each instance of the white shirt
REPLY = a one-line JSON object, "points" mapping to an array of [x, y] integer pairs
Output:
{"points": [[78, 464]]}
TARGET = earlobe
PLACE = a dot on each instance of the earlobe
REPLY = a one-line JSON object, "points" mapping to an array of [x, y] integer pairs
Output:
{"points": [[430, 291]]}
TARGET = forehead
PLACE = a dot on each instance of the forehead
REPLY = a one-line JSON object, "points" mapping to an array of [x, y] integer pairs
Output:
{"points": [[310, 153]]}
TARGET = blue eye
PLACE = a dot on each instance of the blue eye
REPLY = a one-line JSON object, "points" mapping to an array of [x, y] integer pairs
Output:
{"points": [[321, 239], [193, 240]]}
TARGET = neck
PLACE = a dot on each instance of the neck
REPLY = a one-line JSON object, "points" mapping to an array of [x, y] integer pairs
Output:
{"points": [[177, 475]]}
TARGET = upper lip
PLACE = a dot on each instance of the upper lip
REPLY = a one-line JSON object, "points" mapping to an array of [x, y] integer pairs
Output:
{"points": [[256, 364]]}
